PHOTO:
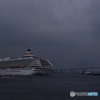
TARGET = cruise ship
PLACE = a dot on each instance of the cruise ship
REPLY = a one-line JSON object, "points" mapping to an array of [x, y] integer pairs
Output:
{"points": [[28, 64]]}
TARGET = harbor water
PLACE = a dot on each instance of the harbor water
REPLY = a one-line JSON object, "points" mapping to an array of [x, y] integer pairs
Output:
{"points": [[49, 87]]}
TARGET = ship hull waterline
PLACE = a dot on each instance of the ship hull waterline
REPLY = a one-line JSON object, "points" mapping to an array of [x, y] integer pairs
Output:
{"points": [[24, 71]]}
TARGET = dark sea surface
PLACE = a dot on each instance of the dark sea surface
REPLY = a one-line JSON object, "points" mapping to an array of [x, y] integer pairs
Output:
{"points": [[49, 87]]}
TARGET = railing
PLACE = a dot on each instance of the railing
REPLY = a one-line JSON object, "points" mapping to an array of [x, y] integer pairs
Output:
{"points": [[8, 59]]}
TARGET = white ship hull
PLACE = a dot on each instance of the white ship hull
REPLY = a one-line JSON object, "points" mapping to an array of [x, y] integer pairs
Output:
{"points": [[24, 71], [26, 65]]}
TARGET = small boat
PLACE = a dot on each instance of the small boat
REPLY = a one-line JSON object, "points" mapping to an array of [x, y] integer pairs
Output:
{"points": [[7, 76], [91, 73]]}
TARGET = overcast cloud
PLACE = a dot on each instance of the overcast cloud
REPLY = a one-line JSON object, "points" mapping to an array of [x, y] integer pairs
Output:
{"points": [[62, 31]]}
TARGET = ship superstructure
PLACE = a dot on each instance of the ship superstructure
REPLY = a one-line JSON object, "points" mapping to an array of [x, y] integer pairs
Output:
{"points": [[26, 65]]}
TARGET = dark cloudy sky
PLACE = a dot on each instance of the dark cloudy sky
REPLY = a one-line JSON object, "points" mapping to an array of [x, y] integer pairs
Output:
{"points": [[62, 31]]}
